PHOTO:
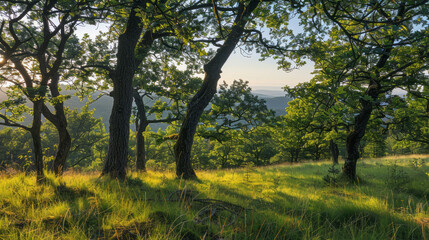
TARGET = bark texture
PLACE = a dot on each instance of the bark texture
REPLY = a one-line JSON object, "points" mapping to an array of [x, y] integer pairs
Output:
{"points": [[141, 125], [183, 146], [141, 153], [122, 77], [60, 122], [37, 98], [355, 136], [37, 140], [49, 55]]}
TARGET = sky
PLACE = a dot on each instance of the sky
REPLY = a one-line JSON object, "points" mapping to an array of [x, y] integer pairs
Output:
{"points": [[265, 75], [261, 75]]}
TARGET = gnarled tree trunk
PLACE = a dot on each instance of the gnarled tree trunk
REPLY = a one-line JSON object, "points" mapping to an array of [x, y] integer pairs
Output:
{"points": [[64, 146], [361, 120], [141, 153], [141, 125], [122, 77], [355, 136], [60, 122], [183, 146]]}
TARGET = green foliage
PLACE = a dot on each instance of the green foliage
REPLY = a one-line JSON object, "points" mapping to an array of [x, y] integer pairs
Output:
{"points": [[350, 54], [234, 108], [258, 146], [375, 138], [89, 139], [397, 178], [333, 175], [15, 107], [164, 93], [359, 60], [417, 163], [159, 166], [235, 126], [15, 145], [410, 123], [237, 108]]}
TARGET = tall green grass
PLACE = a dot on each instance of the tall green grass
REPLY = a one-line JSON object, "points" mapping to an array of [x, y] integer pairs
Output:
{"points": [[390, 201]]}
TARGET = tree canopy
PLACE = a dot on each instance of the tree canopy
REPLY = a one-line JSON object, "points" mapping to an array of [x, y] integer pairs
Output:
{"points": [[151, 60]]}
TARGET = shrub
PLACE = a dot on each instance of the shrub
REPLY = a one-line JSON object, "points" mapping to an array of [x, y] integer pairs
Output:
{"points": [[396, 178], [332, 177]]}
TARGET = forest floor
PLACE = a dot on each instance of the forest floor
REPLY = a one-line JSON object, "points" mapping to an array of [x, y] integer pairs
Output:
{"points": [[298, 201]]}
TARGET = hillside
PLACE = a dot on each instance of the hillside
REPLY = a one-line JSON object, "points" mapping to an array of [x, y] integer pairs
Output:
{"points": [[104, 104], [278, 104], [278, 202]]}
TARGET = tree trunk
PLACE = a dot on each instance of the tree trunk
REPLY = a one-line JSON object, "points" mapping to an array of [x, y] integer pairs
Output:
{"points": [[355, 136], [292, 155], [297, 155], [317, 153], [60, 122], [37, 140], [334, 151], [257, 156], [224, 161], [117, 155], [141, 153], [141, 125], [63, 150], [361, 120], [183, 146], [122, 77]]}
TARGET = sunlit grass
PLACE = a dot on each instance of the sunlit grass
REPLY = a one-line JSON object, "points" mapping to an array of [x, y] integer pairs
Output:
{"points": [[390, 201]]}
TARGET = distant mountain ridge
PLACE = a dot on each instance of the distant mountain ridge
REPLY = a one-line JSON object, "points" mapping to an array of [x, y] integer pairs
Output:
{"points": [[269, 93], [103, 105]]}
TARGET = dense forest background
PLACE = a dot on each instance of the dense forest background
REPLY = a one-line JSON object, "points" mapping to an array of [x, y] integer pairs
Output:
{"points": [[257, 146]]}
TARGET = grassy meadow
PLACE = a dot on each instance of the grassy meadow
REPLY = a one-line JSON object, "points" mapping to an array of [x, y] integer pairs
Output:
{"points": [[390, 201]]}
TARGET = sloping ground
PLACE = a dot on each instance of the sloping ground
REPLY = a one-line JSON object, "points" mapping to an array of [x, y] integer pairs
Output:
{"points": [[280, 202]]}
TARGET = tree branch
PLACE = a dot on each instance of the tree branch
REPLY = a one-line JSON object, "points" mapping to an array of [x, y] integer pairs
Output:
{"points": [[10, 123]]}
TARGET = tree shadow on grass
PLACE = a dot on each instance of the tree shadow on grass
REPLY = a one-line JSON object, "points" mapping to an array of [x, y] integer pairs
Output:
{"points": [[164, 213], [321, 215], [65, 193], [283, 215]]}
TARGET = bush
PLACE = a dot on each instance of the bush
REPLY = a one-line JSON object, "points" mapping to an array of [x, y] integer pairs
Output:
{"points": [[333, 174], [157, 166], [396, 178]]}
